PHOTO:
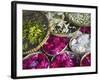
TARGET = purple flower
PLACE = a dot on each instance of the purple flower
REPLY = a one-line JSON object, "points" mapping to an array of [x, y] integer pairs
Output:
{"points": [[55, 44], [62, 60], [36, 61], [86, 29], [86, 60]]}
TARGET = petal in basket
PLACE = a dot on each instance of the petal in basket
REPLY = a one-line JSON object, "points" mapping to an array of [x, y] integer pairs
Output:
{"points": [[86, 60], [35, 30], [64, 59], [86, 30], [55, 44], [35, 61]]}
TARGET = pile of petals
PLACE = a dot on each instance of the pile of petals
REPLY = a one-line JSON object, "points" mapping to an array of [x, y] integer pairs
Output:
{"points": [[37, 61], [64, 59], [84, 29], [86, 60], [55, 44]]}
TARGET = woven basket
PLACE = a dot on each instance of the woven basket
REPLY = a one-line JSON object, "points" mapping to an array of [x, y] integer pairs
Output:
{"points": [[36, 15]]}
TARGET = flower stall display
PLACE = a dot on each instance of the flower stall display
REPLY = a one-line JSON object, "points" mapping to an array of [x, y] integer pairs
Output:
{"points": [[56, 40]]}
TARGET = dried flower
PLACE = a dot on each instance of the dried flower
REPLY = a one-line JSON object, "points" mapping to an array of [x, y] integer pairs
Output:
{"points": [[33, 34]]}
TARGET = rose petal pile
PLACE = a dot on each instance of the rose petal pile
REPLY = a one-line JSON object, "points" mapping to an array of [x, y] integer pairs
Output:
{"points": [[64, 59], [55, 44], [86, 60], [37, 61], [84, 29]]}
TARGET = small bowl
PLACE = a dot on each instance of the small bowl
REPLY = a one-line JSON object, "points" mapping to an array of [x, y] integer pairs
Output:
{"points": [[41, 18], [36, 60], [86, 59], [60, 25], [77, 46], [72, 29]]}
